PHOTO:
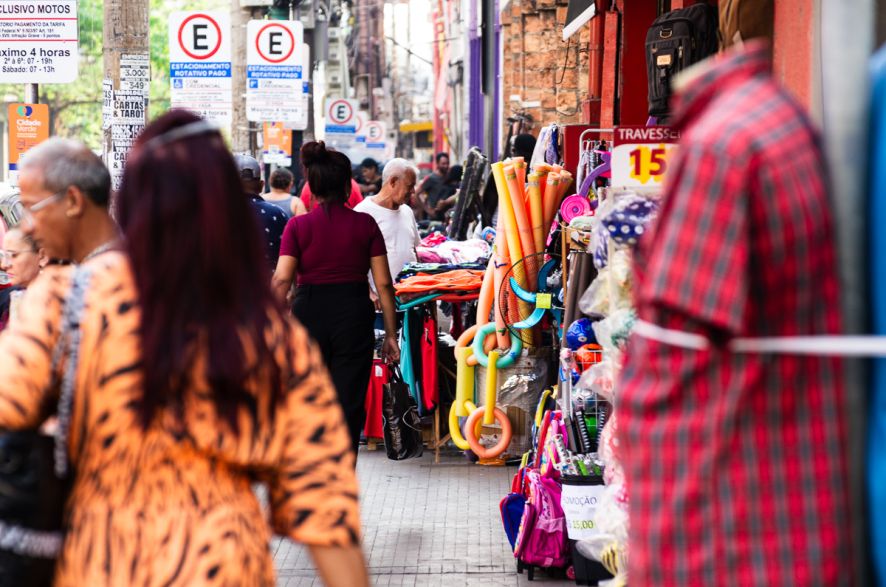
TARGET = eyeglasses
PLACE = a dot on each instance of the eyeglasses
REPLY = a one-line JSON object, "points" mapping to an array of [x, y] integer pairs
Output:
{"points": [[13, 255], [28, 211]]}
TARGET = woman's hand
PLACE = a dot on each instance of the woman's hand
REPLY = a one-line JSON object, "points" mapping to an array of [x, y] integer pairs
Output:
{"points": [[390, 350]]}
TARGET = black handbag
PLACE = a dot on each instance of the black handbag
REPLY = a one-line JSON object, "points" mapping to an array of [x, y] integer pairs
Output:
{"points": [[402, 424], [34, 472]]}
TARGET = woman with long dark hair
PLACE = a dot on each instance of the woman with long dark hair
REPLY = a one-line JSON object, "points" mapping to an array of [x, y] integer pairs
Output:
{"points": [[331, 251], [192, 384]]}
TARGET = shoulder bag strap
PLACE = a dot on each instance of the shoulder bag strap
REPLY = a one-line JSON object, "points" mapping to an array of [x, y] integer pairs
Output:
{"points": [[69, 345]]}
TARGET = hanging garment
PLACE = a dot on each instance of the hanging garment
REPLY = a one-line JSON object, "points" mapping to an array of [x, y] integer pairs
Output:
{"points": [[877, 402], [380, 375], [538, 154], [430, 394], [736, 464]]}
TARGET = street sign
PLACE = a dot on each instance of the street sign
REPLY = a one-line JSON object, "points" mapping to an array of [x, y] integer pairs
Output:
{"points": [[274, 85], [28, 127], [277, 142], [200, 64], [304, 111], [38, 41], [341, 116], [375, 134], [641, 154]]}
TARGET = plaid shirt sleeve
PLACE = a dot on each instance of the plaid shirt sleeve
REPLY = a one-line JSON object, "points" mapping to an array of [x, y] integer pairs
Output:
{"points": [[701, 274]]}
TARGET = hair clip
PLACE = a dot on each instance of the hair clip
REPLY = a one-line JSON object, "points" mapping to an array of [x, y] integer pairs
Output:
{"points": [[181, 132]]}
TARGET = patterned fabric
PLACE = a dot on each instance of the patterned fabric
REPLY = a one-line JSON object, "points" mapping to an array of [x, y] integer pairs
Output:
{"points": [[736, 465], [272, 221], [174, 505]]}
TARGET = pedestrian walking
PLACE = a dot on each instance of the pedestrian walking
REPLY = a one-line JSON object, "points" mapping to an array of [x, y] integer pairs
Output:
{"points": [[191, 382], [391, 211], [281, 193], [22, 261], [330, 251], [270, 216]]}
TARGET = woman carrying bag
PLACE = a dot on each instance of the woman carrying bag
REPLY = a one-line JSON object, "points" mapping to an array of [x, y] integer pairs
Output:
{"points": [[330, 252], [183, 380]]}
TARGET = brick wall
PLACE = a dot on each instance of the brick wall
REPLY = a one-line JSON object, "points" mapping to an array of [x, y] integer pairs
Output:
{"points": [[539, 66]]}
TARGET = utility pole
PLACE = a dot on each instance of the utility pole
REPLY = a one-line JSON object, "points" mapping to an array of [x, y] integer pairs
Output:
{"points": [[241, 137], [127, 77]]}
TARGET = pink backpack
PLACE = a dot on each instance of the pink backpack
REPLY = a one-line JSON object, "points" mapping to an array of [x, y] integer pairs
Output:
{"points": [[541, 539]]}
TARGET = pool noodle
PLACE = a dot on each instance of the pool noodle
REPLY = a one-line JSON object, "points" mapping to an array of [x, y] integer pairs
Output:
{"points": [[550, 198], [509, 223], [502, 262], [524, 228], [536, 211]]}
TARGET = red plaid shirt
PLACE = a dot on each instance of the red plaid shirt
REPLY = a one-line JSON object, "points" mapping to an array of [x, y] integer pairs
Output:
{"points": [[736, 464]]}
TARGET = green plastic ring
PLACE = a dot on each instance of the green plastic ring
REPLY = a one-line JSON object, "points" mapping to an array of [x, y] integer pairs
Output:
{"points": [[505, 360]]}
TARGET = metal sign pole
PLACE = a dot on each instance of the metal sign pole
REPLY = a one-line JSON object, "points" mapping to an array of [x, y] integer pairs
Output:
{"points": [[32, 93]]}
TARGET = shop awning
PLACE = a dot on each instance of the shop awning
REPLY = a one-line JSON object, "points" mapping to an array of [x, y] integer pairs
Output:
{"points": [[420, 126], [578, 13]]}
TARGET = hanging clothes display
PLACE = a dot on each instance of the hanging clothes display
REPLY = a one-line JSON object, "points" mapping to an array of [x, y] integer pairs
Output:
{"points": [[736, 464], [876, 469]]}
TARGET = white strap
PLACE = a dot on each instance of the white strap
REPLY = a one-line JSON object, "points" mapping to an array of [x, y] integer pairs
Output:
{"points": [[819, 345]]}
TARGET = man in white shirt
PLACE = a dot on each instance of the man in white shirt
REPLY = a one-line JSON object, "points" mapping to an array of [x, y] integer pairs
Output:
{"points": [[391, 210]]}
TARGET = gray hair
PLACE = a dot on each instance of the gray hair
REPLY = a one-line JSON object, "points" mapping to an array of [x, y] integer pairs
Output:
{"points": [[396, 168], [66, 162]]}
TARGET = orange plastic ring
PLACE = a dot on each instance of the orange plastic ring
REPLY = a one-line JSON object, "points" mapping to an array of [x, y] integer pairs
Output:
{"points": [[474, 425], [467, 338]]}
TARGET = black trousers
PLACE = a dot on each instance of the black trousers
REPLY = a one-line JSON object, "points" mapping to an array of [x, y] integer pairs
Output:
{"points": [[340, 318]]}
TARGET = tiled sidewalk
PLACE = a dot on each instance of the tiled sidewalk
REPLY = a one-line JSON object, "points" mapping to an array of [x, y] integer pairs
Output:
{"points": [[425, 524]]}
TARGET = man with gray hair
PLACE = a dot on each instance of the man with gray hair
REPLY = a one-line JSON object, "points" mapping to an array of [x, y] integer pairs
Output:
{"points": [[65, 192], [394, 216]]}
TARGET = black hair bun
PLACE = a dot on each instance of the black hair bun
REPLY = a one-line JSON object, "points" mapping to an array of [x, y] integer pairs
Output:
{"points": [[314, 152]]}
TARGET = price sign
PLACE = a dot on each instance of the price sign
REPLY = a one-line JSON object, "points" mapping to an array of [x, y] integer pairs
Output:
{"points": [[641, 155]]}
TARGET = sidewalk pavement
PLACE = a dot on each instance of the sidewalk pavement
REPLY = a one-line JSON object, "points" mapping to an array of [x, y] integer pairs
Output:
{"points": [[425, 524]]}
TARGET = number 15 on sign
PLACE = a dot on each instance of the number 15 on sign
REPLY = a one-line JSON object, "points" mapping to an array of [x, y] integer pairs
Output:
{"points": [[641, 165]]}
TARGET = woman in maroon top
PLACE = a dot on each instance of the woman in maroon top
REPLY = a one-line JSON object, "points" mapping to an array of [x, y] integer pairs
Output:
{"points": [[331, 251]]}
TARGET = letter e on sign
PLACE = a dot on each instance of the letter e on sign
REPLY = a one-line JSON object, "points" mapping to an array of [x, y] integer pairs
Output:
{"points": [[275, 43], [200, 36], [341, 112]]}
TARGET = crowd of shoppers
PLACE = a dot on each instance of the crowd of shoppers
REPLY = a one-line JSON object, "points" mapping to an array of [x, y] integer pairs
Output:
{"points": [[191, 382]]}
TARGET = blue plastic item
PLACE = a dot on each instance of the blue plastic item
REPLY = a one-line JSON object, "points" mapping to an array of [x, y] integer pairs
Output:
{"points": [[580, 333]]}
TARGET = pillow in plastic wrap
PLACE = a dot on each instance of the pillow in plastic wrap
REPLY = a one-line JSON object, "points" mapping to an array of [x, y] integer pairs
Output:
{"points": [[596, 299]]}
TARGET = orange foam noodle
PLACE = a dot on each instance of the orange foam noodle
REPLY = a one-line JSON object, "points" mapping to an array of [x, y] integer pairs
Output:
{"points": [[551, 197], [565, 184], [520, 168], [524, 228], [502, 262], [487, 294]]}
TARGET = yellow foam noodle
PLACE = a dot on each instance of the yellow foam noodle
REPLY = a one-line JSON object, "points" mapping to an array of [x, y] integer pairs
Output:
{"points": [[502, 262], [536, 212], [491, 389], [464, 381]]}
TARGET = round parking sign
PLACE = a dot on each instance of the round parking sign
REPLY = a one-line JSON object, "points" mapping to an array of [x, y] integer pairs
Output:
{"points": [[340, 112], [275, 43], [199, 36], [375, 132]]}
